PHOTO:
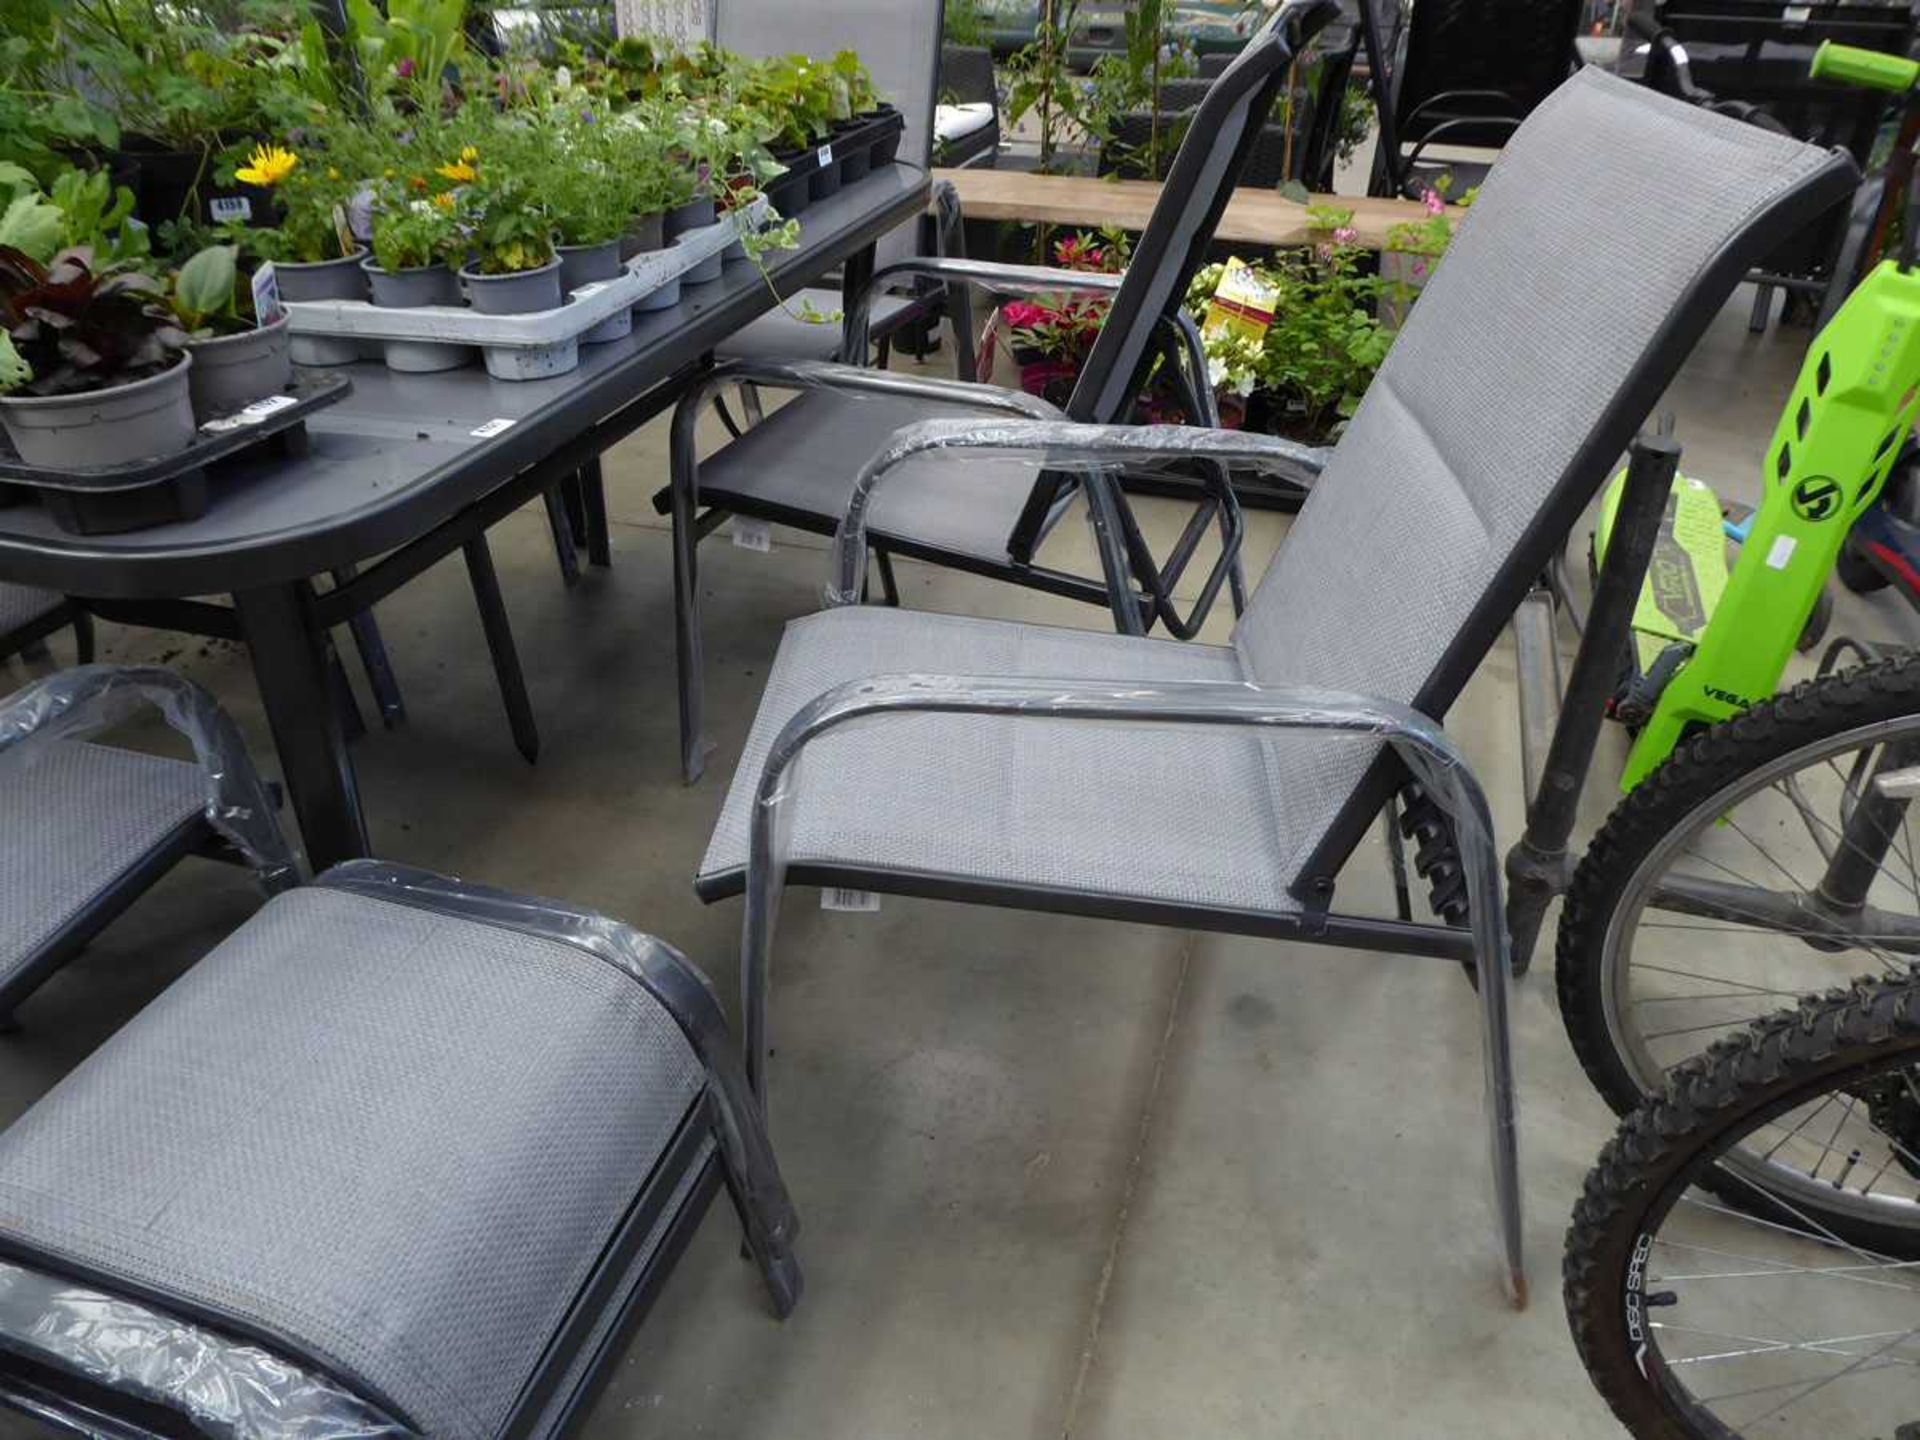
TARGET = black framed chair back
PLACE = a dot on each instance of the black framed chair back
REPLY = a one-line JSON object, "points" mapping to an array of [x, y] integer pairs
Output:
{"points": [[1211, 157], [1462, 72]]}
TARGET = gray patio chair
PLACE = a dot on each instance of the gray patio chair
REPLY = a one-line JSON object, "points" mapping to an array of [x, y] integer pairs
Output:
{"points": [[799, 466], [1612, 230], [900, 42], [86, 829], [401, 1157], [28, 616]]}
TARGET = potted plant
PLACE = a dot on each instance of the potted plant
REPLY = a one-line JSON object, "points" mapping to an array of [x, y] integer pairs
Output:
{"points": [[94, 368], [591, 202], [413, 242], [513, 270], [236, 359], [314, 254]]}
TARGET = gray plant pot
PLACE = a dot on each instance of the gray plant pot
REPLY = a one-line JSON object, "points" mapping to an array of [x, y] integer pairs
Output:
{"points": [[646, 234], [521, 293], [409, 290], [122, 423], [693, 215], [233, 371], [590, 264], [341, 279], [665, 298]]}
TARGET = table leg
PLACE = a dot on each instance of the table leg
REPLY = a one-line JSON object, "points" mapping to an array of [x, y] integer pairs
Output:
{"points": [[593, 495], [289, 653]]}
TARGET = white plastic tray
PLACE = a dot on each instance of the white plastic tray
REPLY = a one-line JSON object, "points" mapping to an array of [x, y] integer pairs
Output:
{"points": [[533, 345]]}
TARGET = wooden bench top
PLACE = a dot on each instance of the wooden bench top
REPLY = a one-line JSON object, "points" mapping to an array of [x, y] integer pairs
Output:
{"points": [[1255, 217]]}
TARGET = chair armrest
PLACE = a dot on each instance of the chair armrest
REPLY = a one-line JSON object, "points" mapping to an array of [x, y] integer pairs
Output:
{"points": [[1428, 750], [89, 698], [1062, 445]]}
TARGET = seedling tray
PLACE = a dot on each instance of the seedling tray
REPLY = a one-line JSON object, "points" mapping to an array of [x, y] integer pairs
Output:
{"points": [[542, 342], [112, 499], [848, 155]]}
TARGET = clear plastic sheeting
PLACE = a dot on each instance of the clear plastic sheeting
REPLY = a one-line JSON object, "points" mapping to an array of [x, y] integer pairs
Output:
{"points": [[90, 698], [1056, 445], [225, 1387], [1428, 751], [674, 983]]}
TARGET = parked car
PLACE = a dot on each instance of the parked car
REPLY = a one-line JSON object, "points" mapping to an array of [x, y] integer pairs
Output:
{"points": [[1210, 26]]}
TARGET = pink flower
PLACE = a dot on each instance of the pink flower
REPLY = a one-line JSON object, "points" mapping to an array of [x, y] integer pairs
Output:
{"points": [[1419, 269], [404, 69], [1346, 235], [1435, 205], [1023, 314]]}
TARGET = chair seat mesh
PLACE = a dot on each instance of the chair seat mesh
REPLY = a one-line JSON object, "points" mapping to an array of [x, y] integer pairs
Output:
{"points": [[781, 335], [74, 818], [22, 605], [1175, 815], [805, 456], [392, 1142]]}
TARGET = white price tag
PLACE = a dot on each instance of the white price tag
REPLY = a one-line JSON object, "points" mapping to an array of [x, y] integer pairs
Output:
{"points": [[752, 534], [826, 156], [225, 208], [270, 405], [1782, 552], [491, 428], [857, 902], [266, 296], [249, 415]]}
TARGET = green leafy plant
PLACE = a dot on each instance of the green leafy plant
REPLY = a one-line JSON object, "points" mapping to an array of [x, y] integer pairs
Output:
{"points": [[99, 216], [512, 231], [30, 222], [209, 295], [76, 328], [410, 234]]}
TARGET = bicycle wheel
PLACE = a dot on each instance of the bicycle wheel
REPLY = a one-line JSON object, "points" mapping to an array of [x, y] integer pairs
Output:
{"points": [[1704, 902], [1696, 1319]]}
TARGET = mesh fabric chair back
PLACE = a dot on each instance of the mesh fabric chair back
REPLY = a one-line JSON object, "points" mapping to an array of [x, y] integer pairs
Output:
{"points": [[1462, 54], [898, 39], [1211, 156], [1614, 226]]}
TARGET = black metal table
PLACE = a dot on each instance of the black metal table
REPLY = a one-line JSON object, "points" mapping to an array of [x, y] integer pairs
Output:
{"points": [[409, 468]]}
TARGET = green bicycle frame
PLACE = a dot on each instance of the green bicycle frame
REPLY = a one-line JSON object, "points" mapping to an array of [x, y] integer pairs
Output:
{"points": [[1852, 408]]}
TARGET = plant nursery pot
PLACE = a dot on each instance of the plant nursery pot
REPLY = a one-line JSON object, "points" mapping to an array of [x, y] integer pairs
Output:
{"points": [[887, 148], [789, 193], [409, 290], [521, 293], [233, 371], [341, 279], [646, 234], [825, 181], [694, 215], [855, 165], [582, 265], [114, 426]]}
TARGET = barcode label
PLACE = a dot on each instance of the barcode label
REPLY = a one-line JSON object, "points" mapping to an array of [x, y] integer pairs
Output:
{"points": [[249, 415], [860, 902], [491, 428], [230, 207], [752, 534], [270, 405], [826, 156]]}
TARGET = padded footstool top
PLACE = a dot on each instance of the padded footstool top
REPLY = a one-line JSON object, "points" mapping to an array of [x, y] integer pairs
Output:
{"points": [[383, 1139]]}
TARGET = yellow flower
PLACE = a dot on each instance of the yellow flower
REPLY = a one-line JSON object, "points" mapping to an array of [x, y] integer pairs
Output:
{"points": [[469, 154], [460, 171], [444, 200], [333, 172], [268, 165]]}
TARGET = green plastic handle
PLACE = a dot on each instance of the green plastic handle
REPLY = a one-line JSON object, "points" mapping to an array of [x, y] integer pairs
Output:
{"points": [[1872, 68]]}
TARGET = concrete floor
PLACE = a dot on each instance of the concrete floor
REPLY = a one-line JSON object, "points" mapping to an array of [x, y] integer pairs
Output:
{"points": [[1058, 1177]]}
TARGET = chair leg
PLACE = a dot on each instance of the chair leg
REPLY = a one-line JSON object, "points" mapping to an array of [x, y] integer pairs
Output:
{"points": [[1762, 309], [1503, 1123], [352, 724], [726, 416], [373, 659], [593, 495], [561, 524], [889, 587], [750, 403], [83, 637], [690, 662], [506, 659]]}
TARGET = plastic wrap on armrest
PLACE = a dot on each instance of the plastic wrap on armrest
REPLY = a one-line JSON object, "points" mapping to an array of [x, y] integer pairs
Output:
{"points": [[1058, 445], [225, 1387], [90, 698]]}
